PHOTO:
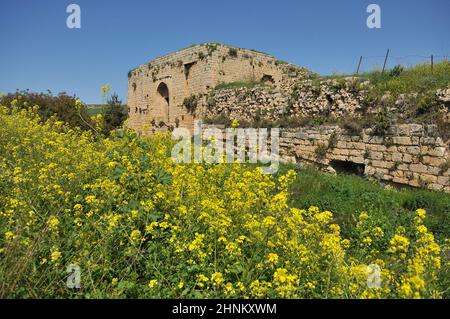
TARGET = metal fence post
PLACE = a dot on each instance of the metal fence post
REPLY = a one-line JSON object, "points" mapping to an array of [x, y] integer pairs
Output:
{"points": [[359, 65], [385, 60], [432, 63]]}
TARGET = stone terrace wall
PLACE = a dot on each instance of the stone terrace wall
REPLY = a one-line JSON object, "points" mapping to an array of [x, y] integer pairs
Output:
{"points": [[329, 98], [271, 103], [409, 154]]}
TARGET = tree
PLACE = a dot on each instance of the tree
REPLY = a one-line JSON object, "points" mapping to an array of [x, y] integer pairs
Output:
{"points": [[115, 113]]}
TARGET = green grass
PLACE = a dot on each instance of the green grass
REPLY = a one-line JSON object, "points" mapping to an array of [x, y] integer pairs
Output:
{"points": [[347, 196], [414, 79], [418, 78], [94, 109], [238, 85]]}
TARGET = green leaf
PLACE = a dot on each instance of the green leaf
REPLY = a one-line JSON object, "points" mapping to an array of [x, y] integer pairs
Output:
{"points": [[163, 177], [118, 171]]}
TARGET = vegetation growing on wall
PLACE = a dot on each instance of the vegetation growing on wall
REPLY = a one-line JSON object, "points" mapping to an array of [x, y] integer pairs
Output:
{"points": [[239, 84], [233, 52], [191, 103]]}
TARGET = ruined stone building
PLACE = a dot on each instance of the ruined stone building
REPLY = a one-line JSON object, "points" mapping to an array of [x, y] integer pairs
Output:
{"points": [[170, 91]]}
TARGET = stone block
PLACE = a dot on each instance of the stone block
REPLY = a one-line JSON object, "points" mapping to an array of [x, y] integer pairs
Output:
{"points": [[413, 150], [399, 180], [357, 160], [376, 155], [435, 187], [402, 140], [397, 157], [382, 164], [444, 180], [407, 158], [418, 168], [428, 178], [437, 151]]}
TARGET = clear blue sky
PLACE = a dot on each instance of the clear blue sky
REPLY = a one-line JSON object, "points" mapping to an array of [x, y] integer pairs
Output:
{"points": [[39, 52]]}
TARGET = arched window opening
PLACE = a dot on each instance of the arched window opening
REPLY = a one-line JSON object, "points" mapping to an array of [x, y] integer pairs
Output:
{"points": [[163, 90], [164, 101]]}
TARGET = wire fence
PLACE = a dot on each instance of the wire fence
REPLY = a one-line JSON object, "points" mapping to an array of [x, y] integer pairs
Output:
{"points": [[388, 61]]}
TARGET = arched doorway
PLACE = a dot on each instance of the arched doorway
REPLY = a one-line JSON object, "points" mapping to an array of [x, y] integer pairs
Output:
{"points": [[163, 92]]}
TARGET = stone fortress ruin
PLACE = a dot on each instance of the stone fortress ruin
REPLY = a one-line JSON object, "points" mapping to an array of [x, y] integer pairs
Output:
{"points": [[217, 83], [170, 91]]}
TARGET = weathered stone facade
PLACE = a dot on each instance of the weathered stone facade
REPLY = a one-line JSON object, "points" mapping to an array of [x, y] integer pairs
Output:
{"points": [[157, 90], [408, 154]]}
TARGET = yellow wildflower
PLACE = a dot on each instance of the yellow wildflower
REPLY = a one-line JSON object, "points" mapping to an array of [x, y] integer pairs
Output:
{"points": [[152, 283], [272, 258]]}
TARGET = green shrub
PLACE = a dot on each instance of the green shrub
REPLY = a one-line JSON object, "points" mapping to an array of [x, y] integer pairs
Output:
{"points": [[396, 71], [232, 52], [321, 150], [191, 103], [62, 106], [382, 122]]}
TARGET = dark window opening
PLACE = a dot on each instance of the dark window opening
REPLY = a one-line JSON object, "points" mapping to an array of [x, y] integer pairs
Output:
{"points": [[267, 79], [163, 90], [187, 69], [347, 167]]}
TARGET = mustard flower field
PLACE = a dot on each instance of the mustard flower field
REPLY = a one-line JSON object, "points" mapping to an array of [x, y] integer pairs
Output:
{"points": [[140, 226]]}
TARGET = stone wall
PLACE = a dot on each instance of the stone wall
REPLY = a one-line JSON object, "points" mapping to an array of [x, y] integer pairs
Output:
{"points": [[245, 104], [409, 154], [329, 98]]}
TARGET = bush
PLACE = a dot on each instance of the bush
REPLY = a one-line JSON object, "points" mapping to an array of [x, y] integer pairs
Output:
{"points": [[190, 103], [382, 122], [63, 106], [396, 71], [232, 52]]}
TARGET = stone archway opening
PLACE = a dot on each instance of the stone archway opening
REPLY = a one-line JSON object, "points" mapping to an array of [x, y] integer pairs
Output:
{"points": [[163, 91], [348, 167], [267, 79]]}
